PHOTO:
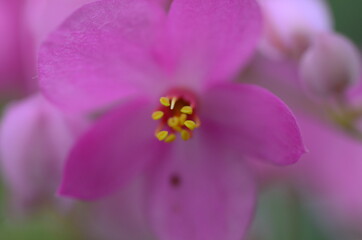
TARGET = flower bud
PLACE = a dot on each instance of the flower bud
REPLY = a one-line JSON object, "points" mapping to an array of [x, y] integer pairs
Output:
{"points": [[291, 24], [34, 140], [330, 66]]}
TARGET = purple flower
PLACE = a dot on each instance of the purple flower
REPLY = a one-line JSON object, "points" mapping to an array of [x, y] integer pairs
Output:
{"points": [[175, 115]]}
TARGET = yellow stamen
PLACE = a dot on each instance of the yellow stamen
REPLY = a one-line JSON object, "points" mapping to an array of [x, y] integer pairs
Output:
{"points": [[173, 102], [161, 135], [190, 124], [185, 135], [177, 128], [170, 138], [187, 110], [157, 115], [182, 119], [173, 122], [165, 101]]}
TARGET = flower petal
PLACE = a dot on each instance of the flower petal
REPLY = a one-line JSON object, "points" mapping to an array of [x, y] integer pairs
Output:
{"points": [[35, 138], [122, 214], [101, 53], [331, 66], [254, 121], [213, 39], [117, 148], [290, 26], [201, 193], [14, 81], [43, 16], [334, 169]]}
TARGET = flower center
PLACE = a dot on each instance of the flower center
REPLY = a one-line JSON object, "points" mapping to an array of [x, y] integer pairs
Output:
{"points": [[177, 116]]}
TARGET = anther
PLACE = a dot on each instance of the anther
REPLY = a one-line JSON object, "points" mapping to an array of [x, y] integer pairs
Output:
{"points": [[185, 135], [190, 124], [173, 122], [162, 135], [187, 110], [170, 138], [182, 119], [157, 115], [165, 101], [177, 116]]}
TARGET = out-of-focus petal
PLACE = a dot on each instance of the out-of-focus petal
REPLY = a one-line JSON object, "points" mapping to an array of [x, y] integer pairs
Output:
{"points": [[330, 65], [122, 216], [254, 121], [114, 150], [42, 16], [34, 141], [200, 192], [211, 40], [330, 174], [290, 25], [328, 178], [13, 80], [101, 53]]}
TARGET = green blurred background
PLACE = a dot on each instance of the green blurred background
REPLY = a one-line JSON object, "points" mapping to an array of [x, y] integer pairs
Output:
{"points": [[276, 210], [348, 18]]}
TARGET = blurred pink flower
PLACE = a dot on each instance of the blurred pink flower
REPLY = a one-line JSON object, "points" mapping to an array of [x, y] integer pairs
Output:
{"points": [[330, 66], [34, 141], [290, 25], [180, 65], [329, 176], [334, 168]]}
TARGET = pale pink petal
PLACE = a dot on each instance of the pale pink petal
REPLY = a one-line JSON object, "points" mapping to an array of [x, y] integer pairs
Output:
{"points": [[34, 141], [334, 168], [254, 121], [101, 53], [211, 40], [290, 25], [114, 150], [330, 66], [200, 192]]}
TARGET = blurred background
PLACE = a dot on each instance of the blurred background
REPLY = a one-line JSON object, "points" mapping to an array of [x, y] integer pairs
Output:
{"points": [[284, 217]]}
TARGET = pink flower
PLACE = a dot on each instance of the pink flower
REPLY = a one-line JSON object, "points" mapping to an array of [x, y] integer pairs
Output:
{"points": [[32, 149], [176, 67], [330, 66], [290, 25], [333, 167], [34, 141], [329, 176]]}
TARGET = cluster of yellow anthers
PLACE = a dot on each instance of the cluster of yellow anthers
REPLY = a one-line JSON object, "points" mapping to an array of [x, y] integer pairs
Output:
{"points": [[177, 116]]}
